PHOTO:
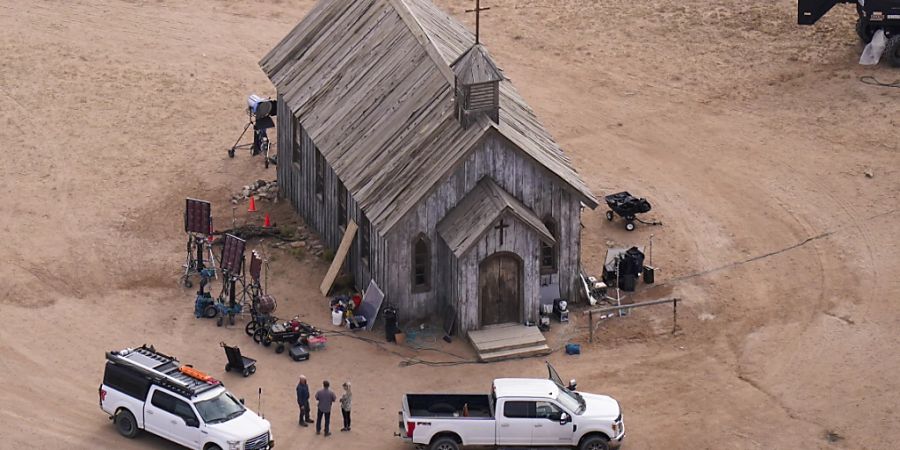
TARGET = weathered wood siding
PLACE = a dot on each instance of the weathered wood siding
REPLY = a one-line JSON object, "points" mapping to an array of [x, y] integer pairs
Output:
{"points": [[537, 188], [297, 183]]}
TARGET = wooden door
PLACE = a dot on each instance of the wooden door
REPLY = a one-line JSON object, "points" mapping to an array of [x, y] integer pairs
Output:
{"points": [[500, 287]]}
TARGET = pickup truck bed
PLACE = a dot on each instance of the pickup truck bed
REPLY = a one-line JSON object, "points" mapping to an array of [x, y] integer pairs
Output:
{"points": [[449, 405]]}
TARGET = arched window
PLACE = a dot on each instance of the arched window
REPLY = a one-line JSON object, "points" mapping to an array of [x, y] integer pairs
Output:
{"points": [[421, 264], [548, 251], [364, 235]]}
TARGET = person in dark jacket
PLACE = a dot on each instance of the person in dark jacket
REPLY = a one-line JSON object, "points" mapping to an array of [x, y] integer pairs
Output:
{"points": [[303, 401], [326, 398]]}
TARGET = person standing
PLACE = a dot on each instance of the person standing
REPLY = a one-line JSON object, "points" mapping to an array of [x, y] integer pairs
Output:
{"points": [[346, 399], [303, 401], [325, 397]]}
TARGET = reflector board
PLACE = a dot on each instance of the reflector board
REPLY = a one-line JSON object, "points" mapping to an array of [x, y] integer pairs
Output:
{"points": [[197, 216], [233, 254], [255, 265]]}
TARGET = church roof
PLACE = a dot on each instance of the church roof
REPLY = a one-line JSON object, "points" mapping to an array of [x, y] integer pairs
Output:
{"points": [[370, 81], [464, 225]]}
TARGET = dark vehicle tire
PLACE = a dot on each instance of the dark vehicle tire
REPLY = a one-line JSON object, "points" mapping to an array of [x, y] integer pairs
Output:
{"points": [[210, 311], [594, 443], [609, 216], [892, 50], [258, 335], [231, 153], [266, 340], [252, 369], [629, 226], [250, 328], [212, 447], [247, 373], [186, 282], [228, 367], [125, 424], [279, 348], [864, 30], [444, 443]]}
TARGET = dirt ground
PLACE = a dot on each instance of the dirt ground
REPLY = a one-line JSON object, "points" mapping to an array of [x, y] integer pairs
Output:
{"points": [[750, 135]]}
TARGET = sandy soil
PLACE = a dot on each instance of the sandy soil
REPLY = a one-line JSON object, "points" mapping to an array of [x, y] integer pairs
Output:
{"points": [[749, 134]]}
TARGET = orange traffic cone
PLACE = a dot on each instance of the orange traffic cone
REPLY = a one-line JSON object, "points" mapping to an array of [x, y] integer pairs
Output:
{"points": [[268, 222], [252, 205]]}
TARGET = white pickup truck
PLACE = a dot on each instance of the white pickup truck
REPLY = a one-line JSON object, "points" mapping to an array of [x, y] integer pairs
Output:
{"points": [[146, 390], [520, 412]]}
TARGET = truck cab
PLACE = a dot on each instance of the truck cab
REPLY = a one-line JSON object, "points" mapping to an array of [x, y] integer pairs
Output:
{"points": [[146, 390], [519, 412]]}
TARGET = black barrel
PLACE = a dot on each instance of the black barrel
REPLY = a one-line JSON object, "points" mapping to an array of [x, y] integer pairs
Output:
{"points": [[390, 323], [649, 274], [627, 282]]}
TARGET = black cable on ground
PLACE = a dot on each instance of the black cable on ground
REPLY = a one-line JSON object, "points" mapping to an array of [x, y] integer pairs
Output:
{"points": [[872, 81]]}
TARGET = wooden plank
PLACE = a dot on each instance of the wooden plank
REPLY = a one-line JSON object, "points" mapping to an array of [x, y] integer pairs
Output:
{"points": [[502, 332], [339, 257], [536, 350], [509, 344]]}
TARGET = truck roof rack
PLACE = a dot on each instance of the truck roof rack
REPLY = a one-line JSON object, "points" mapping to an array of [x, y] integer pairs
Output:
{"points": [[161, 369]]}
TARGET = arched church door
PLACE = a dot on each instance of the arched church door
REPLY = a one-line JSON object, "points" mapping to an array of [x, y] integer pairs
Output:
{"points": [[500, 289]]}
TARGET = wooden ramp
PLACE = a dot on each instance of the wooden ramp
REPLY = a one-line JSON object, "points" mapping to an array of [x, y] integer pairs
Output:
{"points": [[508, 340]]}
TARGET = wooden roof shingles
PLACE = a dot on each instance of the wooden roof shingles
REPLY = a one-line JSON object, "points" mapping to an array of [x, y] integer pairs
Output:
{"points": [[475, 66], [464, 225], [370, 82]]}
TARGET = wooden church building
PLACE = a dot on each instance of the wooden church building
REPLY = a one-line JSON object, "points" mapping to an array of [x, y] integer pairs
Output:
{"points": [[393, 118]]}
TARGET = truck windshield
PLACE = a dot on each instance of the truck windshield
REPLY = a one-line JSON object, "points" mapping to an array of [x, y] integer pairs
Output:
{"points": [[221, 408], [570, 401]]}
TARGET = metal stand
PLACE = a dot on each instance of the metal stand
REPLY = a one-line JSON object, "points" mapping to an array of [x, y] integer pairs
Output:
{"points": [[674, 301], [236, 143], [228, 303], [195, 261]]}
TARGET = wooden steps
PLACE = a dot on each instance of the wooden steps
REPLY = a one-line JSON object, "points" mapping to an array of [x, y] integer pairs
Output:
{"points": [[503, 341]]}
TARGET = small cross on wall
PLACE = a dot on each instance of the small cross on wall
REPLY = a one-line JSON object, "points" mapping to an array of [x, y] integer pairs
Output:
{"points": [[501, 226]]}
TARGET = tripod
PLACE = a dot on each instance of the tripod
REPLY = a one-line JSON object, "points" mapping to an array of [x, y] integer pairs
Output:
{"points": [[228, 304], [253, 148], [194, 261]]}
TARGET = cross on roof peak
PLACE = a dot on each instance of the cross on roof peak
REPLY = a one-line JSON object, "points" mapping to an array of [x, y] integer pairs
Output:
{"points": [[478, 9]]}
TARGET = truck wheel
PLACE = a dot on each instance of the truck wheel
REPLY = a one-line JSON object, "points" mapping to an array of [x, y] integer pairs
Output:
{"points": [[444, 443], [125, 424], [864, 30], [212, 447], [892, 50], [594, 443]]}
